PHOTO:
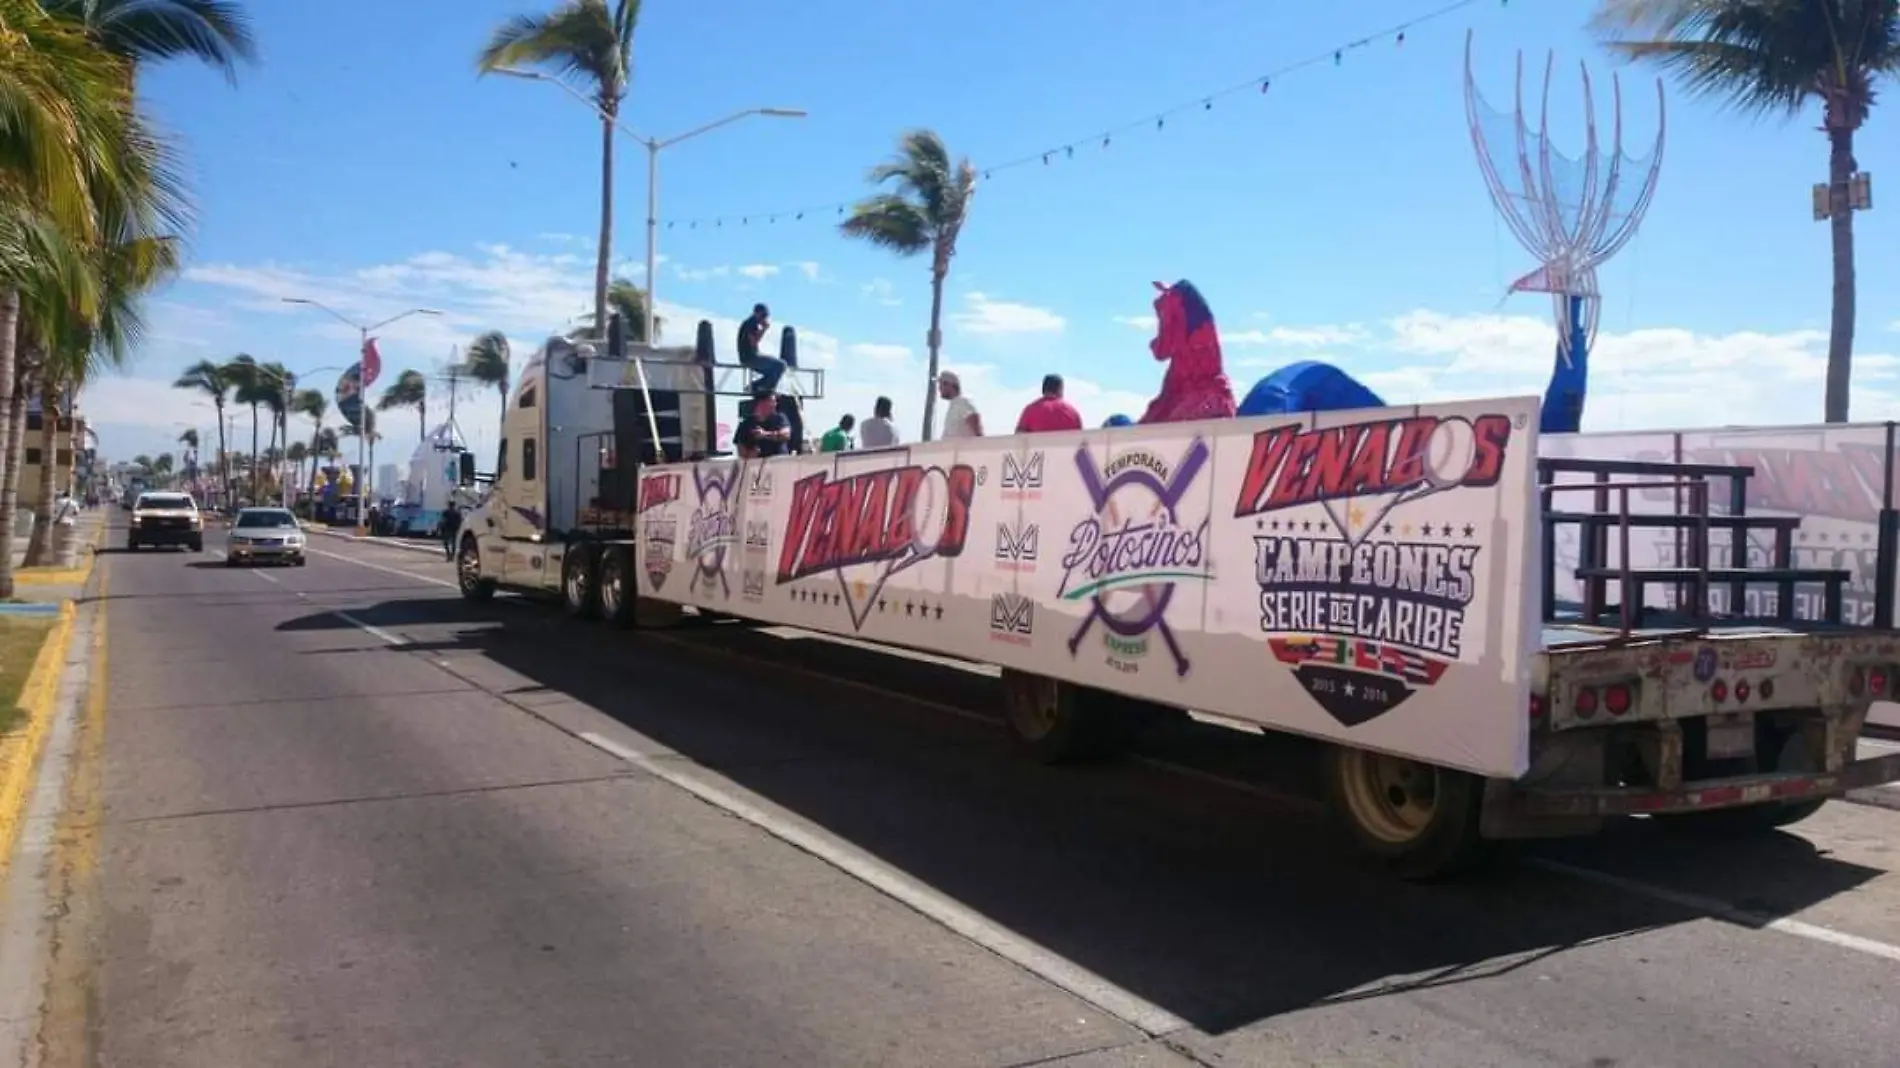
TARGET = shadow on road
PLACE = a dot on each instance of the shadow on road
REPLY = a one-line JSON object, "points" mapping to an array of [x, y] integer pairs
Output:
{"points": [[1223, 907]]}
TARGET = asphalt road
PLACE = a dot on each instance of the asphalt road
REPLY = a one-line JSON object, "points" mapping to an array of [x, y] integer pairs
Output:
{"points": [[342, 818]]}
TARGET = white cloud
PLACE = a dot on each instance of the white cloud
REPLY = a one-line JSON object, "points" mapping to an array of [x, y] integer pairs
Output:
{"points": [[700, 274], [871, 350], [986, 316], [881, 291], [1648, 378], [808, 268], [1314, 336], [758, 271], [1139, 322]]}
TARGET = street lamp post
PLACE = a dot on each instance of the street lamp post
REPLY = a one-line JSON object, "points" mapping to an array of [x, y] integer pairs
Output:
{"points": [[362, 437], [653, 145]]}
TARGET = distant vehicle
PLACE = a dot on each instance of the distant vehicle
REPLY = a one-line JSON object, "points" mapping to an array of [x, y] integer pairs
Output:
{"points": [[166, 519], [265, 534]]}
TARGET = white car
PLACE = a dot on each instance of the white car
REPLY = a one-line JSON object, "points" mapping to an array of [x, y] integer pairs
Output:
{"points": [[260, 534]]}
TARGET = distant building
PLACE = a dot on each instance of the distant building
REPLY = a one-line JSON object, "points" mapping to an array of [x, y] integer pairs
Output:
{"points": [[387, 477], [72, 426]]}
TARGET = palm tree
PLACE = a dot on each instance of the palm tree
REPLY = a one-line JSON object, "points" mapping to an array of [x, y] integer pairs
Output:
{"points": [[143, 463], [630, 303], [251, 388], [924, 212], [162, 467], [1777, 58], [312, 404], [215, 32], [297, 454], [189, 439], [210, 379], [590, 42], [409, 390], [487, 363]]}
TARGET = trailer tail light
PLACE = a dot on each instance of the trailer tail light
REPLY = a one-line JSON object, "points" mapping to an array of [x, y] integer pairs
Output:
{"points": [[1537, 708], [1617, 699], [1584, 704], [1877, 682], [1766, 689], [1718, 691]]}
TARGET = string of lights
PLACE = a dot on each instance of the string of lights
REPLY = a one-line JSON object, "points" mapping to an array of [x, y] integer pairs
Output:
{"points": [[1101, 140]]}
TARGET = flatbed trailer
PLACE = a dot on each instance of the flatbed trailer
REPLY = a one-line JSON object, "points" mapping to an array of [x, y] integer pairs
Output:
{"points": [[1374, 579]]}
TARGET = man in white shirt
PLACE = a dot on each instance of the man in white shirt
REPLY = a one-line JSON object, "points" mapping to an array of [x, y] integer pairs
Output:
{"points": [[877, 431], [960, 420]]}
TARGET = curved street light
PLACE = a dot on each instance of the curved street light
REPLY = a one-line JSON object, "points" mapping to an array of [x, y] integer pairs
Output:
{"points": [[653, 145]]}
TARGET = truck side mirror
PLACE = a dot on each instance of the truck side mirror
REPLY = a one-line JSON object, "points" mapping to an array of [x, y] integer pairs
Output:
{"points": [[465, 469], [703, 343], [788, 346]]}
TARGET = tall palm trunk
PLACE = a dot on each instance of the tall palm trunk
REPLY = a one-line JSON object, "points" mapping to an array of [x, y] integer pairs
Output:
{"points": [[935, 344], [609, 110], [14, 459], [9, 350], [253, 485], [224, 456], [39, 544], [1840, 341]]}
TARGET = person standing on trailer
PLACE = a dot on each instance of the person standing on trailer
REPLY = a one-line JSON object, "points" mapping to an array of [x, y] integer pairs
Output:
{"points": [[877, 431], [838, 438], [961, 419], [1049, 412]]}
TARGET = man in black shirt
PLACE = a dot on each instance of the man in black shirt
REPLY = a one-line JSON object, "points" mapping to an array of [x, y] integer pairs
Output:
{"points": [[769, 368], [765, 432]]}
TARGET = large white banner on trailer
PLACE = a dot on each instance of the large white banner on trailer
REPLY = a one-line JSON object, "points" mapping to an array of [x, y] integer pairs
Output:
{"points": [[1366, 576]]}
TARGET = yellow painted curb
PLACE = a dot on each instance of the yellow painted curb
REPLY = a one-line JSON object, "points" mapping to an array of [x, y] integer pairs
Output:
{"points": [[69, 576], [20, 748]]}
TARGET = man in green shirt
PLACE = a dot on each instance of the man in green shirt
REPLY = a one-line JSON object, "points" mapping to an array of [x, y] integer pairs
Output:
{"points": [[838, 438]]}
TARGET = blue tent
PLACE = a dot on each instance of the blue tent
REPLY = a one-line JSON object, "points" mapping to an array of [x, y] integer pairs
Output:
{"points": [[1307, 386], [1118, 420]]}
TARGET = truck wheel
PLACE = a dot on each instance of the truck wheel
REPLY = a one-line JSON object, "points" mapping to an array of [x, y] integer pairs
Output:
{"points": [[614, 586], [1421, 820], [468, 574], [1055, 722], [580, 583]]}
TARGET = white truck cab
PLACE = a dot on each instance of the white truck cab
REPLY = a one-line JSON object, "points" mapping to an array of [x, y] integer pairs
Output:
{"points": [[581, 417]]}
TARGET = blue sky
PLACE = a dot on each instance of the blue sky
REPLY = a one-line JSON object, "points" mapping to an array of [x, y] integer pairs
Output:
{"points": [[1340, 215]]}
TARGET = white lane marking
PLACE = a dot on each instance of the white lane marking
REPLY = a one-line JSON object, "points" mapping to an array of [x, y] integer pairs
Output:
{"points": [[1723, 910], [837, 680], [1694, 902], [381, 567], [1065, 974], [369, 628], [384, 543]]}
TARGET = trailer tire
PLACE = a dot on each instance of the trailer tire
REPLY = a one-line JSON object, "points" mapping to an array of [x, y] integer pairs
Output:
{"points": [[468, 573], [614, 586], [580, 582], [1419, 819], [1056, 722]]}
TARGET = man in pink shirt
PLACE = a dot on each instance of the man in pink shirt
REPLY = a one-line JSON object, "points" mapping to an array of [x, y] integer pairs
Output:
{"points": [[1050, 411]]}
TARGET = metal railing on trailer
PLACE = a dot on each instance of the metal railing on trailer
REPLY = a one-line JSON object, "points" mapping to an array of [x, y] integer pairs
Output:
{"points": [[1694, 523]]}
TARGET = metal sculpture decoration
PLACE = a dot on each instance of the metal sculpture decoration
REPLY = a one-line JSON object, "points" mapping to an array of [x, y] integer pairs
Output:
{"points": [[1573, 215]]}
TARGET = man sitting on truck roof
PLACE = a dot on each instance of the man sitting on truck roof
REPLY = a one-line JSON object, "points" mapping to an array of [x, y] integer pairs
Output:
{"points": [[769, 368], [765, 432]]}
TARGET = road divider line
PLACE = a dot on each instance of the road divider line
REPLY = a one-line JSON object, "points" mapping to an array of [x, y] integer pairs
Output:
{"points": [[1722, 910], [1052, 967], [370, 629], [433, 581]]}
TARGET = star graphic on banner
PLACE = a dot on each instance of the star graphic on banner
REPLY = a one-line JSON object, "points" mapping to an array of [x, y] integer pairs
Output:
{"points": [[1306, 524], [910, 608], [940, 611], [860, 588], [1405, 529], [1388, 528], [1469, 530], [1866, 537], [881, 603], [1355, 515]]}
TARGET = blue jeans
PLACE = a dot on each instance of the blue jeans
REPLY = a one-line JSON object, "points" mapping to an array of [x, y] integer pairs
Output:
{"points": [[769, 370]]}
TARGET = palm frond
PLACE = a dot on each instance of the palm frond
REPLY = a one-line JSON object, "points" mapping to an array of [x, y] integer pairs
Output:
{"points": [[581, 40], [891, 222], [215, 32], [486, 360]]}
